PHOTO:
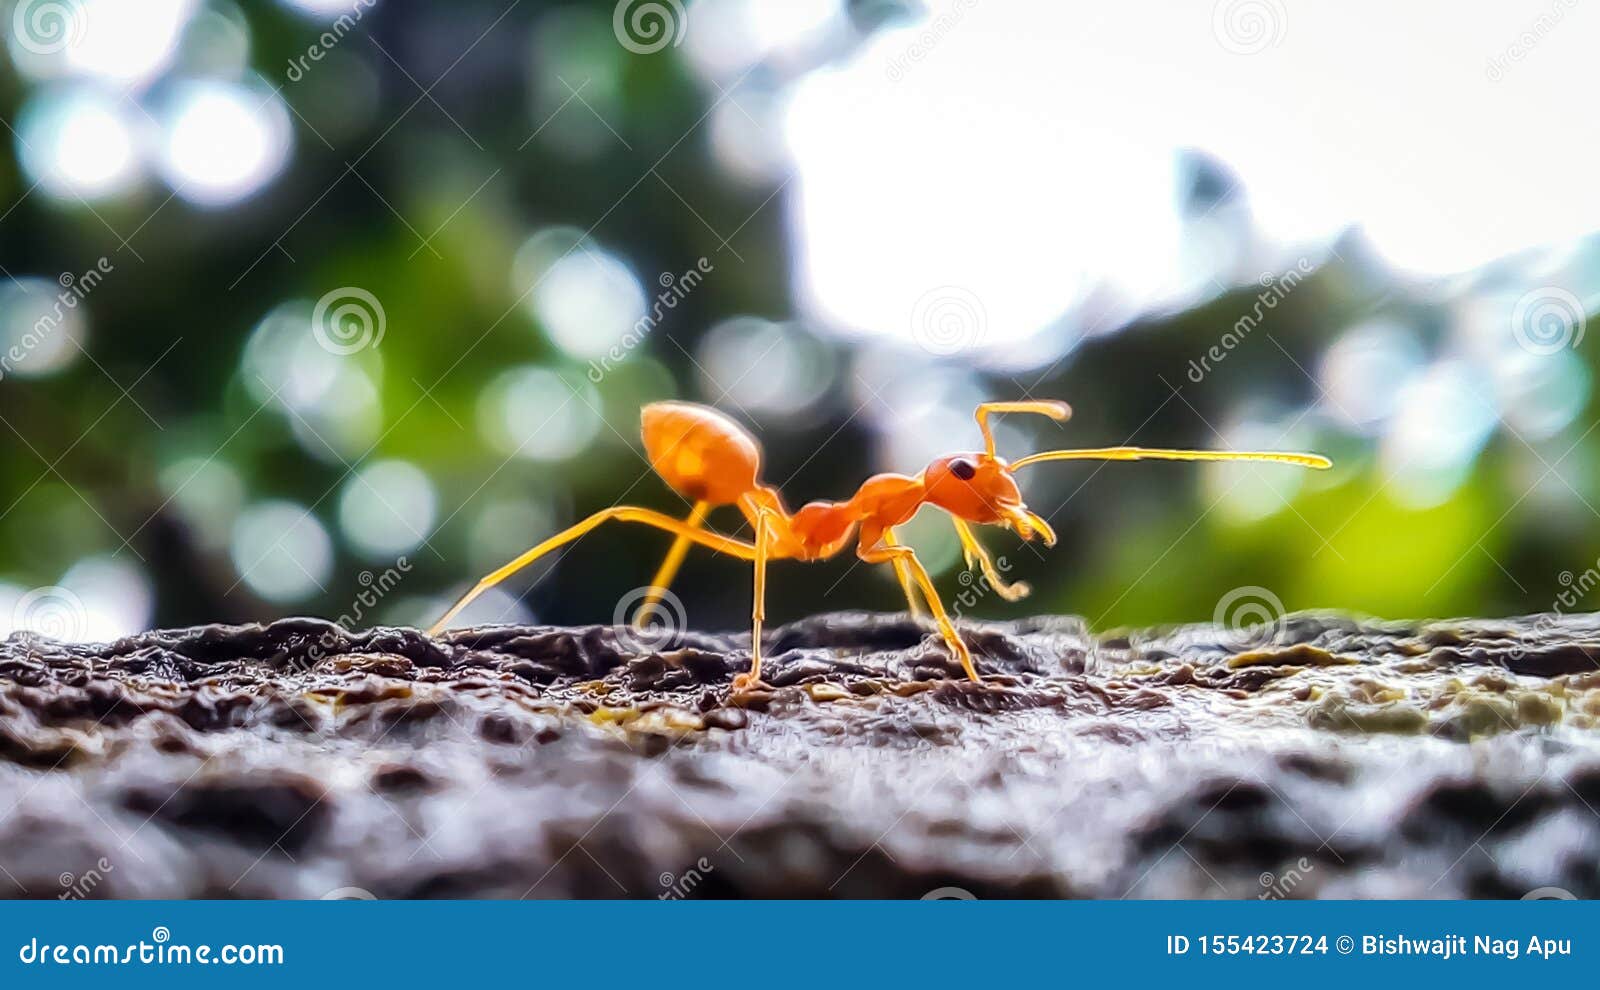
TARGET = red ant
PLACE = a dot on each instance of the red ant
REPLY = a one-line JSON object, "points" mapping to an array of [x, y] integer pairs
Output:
{"points": [[713, 461]]}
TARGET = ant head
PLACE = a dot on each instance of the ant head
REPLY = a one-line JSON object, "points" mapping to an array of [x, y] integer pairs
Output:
{"points": [[980, 488]]}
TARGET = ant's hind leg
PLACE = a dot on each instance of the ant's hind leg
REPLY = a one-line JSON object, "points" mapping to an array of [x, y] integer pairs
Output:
{"points": [[669, 566], [621, 513], [947, 629], [976, 554], [903, 574]]}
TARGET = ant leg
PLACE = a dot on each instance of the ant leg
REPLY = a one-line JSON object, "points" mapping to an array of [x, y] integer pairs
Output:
{"points": [[758, 609], [622, 513], [947, 629], [669, 566], [975, 553], [903, 575], [751, 678]]}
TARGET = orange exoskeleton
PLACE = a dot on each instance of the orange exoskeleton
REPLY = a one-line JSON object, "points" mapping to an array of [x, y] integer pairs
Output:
{"points": [[713, 461]]}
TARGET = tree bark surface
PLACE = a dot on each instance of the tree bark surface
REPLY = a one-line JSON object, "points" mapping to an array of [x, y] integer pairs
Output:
{"points": [[1325, 756]]}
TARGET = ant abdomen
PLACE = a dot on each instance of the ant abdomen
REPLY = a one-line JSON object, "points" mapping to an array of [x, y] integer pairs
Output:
{"points": [[702, 454]]}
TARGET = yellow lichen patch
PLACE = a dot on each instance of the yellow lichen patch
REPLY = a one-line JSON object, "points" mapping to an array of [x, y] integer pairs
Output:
{"points": [[333, 698], [1337, 712], [1372, 691], [1142, 669], [613, 716], [666, 720], [1534, 708], [1299, 655], [1476, 716], [827, 692], [1490, 703]]}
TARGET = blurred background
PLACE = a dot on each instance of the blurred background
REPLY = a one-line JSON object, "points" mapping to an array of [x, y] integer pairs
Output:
{"points": [[329, 307]]}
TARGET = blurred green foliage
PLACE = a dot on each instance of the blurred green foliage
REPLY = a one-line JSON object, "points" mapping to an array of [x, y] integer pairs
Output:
{"points": [[425, 151]]}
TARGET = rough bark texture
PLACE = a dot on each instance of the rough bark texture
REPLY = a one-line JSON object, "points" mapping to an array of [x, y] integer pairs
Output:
{"points": [[1333, 757]]}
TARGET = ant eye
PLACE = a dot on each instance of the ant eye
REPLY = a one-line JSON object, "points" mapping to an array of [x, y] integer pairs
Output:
{"points": [[963, 469]]}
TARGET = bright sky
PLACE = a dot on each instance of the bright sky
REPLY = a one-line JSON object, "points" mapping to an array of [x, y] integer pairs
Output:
{"points": [[1029, 151]]}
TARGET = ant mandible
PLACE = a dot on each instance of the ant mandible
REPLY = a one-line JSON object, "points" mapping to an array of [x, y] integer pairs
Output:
{"points": [[713, 461]]}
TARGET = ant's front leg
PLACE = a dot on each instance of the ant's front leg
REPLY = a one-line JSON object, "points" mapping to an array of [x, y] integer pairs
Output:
{"points": [[976, 555], [892, 553], [902, 573]]}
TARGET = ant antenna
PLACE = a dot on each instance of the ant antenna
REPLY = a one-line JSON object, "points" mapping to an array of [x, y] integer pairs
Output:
{"points": [[1316, 461], [1057, 411]]}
